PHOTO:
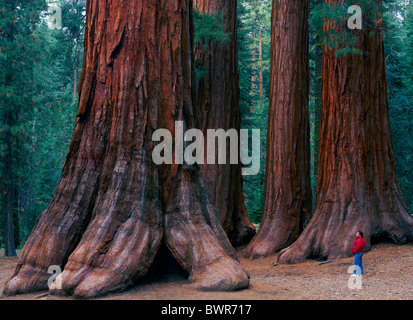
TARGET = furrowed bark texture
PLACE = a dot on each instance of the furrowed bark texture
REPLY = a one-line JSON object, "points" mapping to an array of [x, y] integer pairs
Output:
{"points": [[287, 191], [357, 184], [113, 206], [217, 102]]}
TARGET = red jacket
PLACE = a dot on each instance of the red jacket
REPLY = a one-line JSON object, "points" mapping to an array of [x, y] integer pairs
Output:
{"points": [[359, 245]]}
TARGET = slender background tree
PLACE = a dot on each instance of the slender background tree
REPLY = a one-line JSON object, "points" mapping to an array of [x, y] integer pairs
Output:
{"points": [[20, 51], [254, 19]]}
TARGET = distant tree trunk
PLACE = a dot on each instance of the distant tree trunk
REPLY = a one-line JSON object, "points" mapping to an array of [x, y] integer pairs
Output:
{"points": [[318, 62], [8, 175], [16, 214], [75, 75], [253, 79], [9, 238], [113, 206], [357, 184], [287, 191], [217, 101], [260, 66]]}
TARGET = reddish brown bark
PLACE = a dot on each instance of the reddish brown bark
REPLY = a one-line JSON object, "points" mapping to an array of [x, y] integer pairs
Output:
{"points": [[287, 191], [217, 100], [113, 206], [357, 183]]}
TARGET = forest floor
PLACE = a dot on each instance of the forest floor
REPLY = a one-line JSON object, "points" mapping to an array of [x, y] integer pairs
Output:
{"points": [[388, 275]]}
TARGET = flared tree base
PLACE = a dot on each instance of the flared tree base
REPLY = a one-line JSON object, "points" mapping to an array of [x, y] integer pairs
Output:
{"points": [[118, 249], [330, 234]]}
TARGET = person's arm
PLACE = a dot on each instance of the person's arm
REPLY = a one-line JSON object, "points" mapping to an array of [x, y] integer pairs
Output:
{"points": [[356, 246]]}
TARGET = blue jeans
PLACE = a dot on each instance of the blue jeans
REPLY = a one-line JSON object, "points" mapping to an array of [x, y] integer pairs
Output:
{"points": [[358, 261]]}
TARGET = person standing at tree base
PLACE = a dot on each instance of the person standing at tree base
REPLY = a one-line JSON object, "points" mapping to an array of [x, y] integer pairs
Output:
{"points": [[358, 249]]}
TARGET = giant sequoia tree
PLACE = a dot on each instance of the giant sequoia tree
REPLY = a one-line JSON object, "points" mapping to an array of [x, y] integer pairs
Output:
{"points": [[113, 207], [357, 183], [217, 102], [287, 191]]}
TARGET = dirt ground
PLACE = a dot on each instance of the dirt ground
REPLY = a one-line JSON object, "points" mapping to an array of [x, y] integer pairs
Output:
{"points": [[388, 275]]}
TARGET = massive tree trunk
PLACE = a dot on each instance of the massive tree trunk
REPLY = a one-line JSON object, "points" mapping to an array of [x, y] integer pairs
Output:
{"points": [[287, 191], [357, 184], [217, 101], [114, 206]]}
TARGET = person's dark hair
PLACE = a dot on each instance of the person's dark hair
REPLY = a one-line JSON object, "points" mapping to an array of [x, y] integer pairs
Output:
{"points": [[361, 234]]}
